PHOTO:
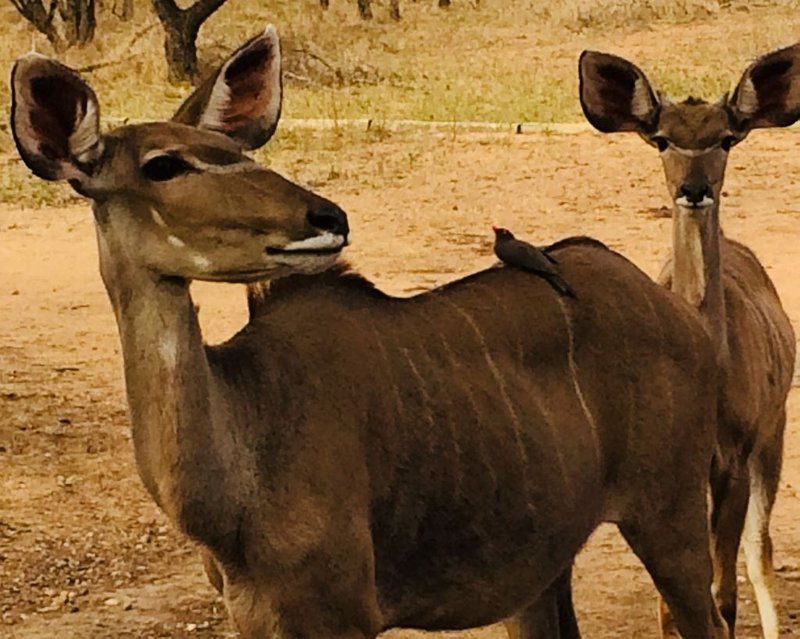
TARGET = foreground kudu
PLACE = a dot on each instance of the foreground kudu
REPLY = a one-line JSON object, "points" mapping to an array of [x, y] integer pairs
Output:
{"points": [[350, 461], [753, 338]]}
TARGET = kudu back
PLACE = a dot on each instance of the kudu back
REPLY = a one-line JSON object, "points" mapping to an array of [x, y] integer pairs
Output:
{"points": [[753, 337], [351, 462]]}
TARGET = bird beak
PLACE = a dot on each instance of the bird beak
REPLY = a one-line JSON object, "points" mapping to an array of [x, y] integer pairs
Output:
{"points": [[495, 228]]}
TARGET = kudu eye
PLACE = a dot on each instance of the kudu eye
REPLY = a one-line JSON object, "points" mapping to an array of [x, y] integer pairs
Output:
{"points": [[661, 142], [165, 167], [727, 142]]}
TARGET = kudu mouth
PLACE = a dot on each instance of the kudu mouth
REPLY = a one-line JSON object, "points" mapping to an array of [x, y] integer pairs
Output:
{"points": [[323, 244], [695, 196], [685, 203]]}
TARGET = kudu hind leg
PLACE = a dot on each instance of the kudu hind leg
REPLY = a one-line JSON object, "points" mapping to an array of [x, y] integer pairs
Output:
{"points": [[764, 479], [212, 571], [551, 616], [675, 551]]}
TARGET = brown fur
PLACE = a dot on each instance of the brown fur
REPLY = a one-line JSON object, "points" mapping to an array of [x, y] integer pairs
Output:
{"points": [[461, 493], [351, 461]]}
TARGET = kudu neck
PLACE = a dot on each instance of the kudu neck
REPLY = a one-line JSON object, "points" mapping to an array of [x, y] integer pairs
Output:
{"points": [[697, 268], [167, 378]]}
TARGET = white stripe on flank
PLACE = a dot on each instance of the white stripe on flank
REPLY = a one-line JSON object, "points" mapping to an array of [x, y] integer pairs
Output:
{"points": [[385, 355], [498, 378], [456, 365], [426, 398], [573, 371]]}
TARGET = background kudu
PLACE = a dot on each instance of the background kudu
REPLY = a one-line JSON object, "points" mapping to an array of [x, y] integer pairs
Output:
{"points": [[753, 337], [350, 461]]}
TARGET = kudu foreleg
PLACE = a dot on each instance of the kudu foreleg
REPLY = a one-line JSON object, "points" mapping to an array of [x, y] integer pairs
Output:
{"points": [[727, 520], [551, 616], [673, 545]]}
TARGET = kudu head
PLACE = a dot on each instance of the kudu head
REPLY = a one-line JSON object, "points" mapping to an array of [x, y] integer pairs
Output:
{"points": [[693, 137], [181, 198]]}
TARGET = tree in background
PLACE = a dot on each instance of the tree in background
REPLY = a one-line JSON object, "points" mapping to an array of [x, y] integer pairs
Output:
{"points": [[123, 9], [365, 9], [181, 27], [63, 22], [78, 20]]}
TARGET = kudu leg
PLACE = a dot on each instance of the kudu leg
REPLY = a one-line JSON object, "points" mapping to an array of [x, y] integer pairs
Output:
{"points": [[551, 616], [764, 478], [258, 612], [674, 548], [727, 520], [330, 594]]}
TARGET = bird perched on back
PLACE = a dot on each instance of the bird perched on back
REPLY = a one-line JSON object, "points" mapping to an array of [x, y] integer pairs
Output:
{"points": [[514, 252]]}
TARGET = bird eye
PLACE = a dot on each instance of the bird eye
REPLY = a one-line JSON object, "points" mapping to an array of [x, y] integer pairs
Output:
{"points": [[661, 142], [165, 167], [727, 142]]}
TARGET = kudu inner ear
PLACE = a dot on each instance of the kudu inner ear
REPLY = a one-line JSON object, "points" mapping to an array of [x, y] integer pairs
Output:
{"points": [[243, 98], [768, 94], [55, 119], [615, 95]]}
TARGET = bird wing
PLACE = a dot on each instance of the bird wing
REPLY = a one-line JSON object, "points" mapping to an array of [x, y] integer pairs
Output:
{"points": [[549, 257], [523, 255]]}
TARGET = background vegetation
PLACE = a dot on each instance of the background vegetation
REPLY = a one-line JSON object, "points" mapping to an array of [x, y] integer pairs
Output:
{"points": [[493, 60]]}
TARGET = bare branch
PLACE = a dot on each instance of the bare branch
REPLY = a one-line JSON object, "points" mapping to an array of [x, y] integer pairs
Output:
{"points": [[201, 9], [41, 17], [181, 27], [166, 10]]}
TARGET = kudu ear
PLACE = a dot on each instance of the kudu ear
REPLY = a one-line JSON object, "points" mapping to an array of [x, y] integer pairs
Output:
{"points": [[615, 94], [242, 99], [55, 119], [769, 92]]}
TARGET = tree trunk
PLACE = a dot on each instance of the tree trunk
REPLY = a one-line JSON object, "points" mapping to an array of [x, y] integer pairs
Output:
{"points": [[123, 9], [180, 47], [364, 9], [78, 18], [394, 9], [181, 27]]}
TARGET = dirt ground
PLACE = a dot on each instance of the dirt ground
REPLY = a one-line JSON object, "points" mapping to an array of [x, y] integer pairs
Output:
{"points": [[83, 551]]}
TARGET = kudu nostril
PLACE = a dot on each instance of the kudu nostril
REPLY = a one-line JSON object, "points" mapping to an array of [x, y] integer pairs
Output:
{"points": [[695, 193], [329, 217]]}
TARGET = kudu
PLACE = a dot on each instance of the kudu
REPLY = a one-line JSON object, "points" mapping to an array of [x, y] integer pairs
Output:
{"points": [[350, 461], [753, 338]]}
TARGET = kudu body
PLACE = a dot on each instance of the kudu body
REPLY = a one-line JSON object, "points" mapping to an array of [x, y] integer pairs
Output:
{"points": [[350, 461], [753, 338]]}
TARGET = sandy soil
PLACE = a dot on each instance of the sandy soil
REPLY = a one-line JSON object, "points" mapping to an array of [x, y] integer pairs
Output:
{"points": [[83, 551]]}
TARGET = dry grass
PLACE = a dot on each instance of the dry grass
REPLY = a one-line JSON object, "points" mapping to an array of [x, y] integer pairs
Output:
{"points": [[502, 60]]}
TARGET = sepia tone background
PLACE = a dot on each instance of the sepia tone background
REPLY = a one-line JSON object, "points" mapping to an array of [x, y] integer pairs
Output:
{"points": [[83, 551]]}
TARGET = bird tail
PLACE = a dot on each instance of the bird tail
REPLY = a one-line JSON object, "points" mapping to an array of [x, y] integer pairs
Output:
{"points": [[560, 284]]}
